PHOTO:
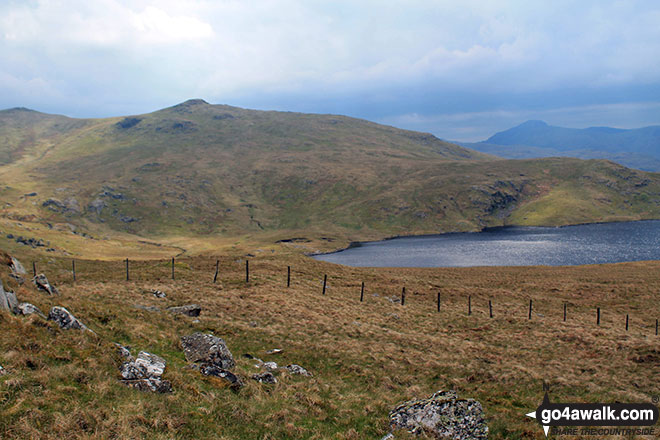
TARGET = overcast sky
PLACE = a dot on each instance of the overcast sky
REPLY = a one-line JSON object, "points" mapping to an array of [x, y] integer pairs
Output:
{"points": [[461, 70]]}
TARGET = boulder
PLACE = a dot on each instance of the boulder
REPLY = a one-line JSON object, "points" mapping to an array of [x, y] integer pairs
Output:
{"points": [[156, 293], [270, 366], [266, 377], [189, 310], [297, 369], [231, 379], [145, 372], [65, 319], [42, 283], [443, 416], [207, 349], [26, 309], [17, 267], [8, 300]]}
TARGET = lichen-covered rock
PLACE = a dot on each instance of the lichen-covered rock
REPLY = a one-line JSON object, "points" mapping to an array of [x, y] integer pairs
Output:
{"points": [[188, 310], [207, 349], [443, 415], [297, 369], [16, 267], [266, 377], [270, 366], [157, 293], [42, 283], [65, 319], [145, 372], [26, 309], [234, 382], [8, 300]]}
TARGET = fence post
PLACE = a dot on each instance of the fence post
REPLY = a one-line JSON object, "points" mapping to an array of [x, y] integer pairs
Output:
{"points": [[34, 269], [325, 281], [438, 301], [530, 309], [490, 308], [403, 296], [73, 269], [656, 327], [597, 315], [288, 276], [127, 276], [217, 267], [626, 322], [564, 312], [469, 305], [247, 270], [172, 268], [362, 292]]}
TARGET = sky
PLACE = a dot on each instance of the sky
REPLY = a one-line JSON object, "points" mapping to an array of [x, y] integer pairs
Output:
{"points": [[461, 70]]}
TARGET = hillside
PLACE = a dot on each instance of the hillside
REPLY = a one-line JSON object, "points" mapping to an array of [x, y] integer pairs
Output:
{"points": [[636, 148], [195, 177]]}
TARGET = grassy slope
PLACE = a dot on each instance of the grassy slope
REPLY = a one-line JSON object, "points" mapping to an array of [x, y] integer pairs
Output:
{"points": [[198, 177], [365, 357]]}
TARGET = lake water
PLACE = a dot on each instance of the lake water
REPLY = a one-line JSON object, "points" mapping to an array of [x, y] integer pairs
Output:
{"points": [[512, 246]]}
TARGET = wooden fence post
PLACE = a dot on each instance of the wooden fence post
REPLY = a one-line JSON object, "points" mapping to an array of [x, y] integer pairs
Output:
{"points": [[127, 276], [403, 296], [288, 276], [34, 269], [530, 310], [490, 308], [325, 282], [469, 305], [172, 268], [73, 269], [565, 312], [362, 292], [438, 301], [247, 270], [626, 322], [217, 267], [597, 315], [656, 327]]}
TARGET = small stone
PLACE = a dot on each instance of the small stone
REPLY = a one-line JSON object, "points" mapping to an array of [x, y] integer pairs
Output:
{"points": [[2, 371], [124, 352], [234, 382], [274, 351], [26, 309], [157, 293], [65, 319], [266, 377], [188, 310], [297, 369], [272, 366]]}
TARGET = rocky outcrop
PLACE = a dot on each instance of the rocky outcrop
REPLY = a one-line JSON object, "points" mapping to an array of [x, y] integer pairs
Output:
{"points": [[443, 416], [266, 377], [42, 283], [145, 372], [65, 319], [188, 310], [8, 300], [211, 355], [207, 349]]}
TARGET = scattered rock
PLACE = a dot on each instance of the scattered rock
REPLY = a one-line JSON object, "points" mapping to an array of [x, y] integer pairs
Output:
{"points": [[234, 382], [124, 352], [389, 436], [2, 371], [65, 319], [274, 351], [394, 299], [145, 372], [189, 310], [266, 377], [128, 219], [443, 415], [297, 369], [96, 206], [42, 283], [253, 324], [156, 293], [147, 308], [271, 366], [26, 309], [17, 267], [8, 300], [207, 349]]}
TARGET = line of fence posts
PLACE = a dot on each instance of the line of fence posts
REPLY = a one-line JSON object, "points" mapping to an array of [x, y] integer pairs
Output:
{"points": [[325, 281]]}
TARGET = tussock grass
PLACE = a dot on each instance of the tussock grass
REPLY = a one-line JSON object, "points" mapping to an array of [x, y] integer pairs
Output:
{"points": [[366, 357]]}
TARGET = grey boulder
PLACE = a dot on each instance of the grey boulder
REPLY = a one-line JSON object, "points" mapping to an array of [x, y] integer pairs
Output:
{"points": [[8, 300], [207, 349], [443, 416], [145, 373], [297, 369], [231, 379], [65, 319], [266, 377], [26, 309]]}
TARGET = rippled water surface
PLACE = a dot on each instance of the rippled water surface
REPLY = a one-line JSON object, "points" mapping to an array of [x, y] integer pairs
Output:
{"points": [[512, 246]]}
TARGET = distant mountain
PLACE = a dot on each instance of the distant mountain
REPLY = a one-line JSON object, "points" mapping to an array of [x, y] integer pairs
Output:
{"points": [[637, 148]]}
